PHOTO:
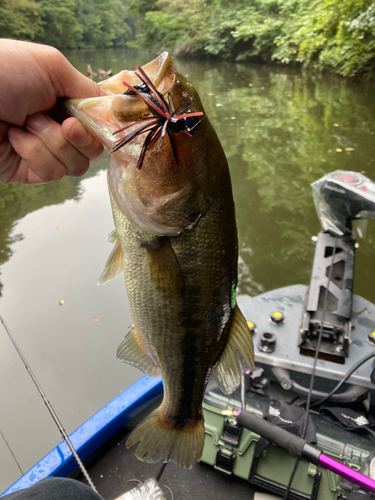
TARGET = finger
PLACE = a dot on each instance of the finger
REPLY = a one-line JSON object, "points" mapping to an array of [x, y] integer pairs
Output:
{"points": [[8, 158], [82, 139], [49, 132], [37, 163], [41, 75]]}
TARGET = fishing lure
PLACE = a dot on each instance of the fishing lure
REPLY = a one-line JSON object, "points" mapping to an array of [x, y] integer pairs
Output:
{"points": [[164, 120]]}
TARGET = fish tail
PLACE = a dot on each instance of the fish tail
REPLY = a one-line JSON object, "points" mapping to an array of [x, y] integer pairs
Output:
{"points": [[160, 440]]}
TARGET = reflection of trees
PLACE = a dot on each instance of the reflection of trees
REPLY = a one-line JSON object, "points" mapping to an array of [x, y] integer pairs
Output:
{"points": [[116, 59], [18, 200], [276, 139], [273, 159]]}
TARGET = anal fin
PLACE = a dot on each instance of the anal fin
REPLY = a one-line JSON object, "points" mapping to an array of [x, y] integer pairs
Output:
{"points": [[132, 351], [239, 351]]}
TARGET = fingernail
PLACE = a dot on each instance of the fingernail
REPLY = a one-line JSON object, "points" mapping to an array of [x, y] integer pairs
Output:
{"points": [[15, 133], [99, 157], [38, 122]]}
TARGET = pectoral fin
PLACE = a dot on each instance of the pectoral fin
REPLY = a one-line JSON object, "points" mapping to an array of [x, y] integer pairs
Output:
{"points": [[114, 263], [238, 351], [132, 351], [165, 270]]}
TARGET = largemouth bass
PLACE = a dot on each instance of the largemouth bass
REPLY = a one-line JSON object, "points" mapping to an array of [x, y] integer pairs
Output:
{"points": [[176, 240]]}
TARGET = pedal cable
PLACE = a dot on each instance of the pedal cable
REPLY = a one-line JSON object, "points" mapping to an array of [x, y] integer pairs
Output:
{"points": [[308, 401], [50, 409], [347, 376]]}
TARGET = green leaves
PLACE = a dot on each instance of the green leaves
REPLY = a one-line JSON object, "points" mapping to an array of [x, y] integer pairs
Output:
{"points": [[325, 34], [67, 23], [20, 19], [61, 28], [104, 23]]}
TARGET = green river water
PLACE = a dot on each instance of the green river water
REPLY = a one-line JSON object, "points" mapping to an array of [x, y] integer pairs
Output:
{"points": [[280, 129]]}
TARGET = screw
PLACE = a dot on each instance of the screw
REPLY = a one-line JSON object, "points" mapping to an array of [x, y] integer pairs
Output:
{"points": [[286, 384]]}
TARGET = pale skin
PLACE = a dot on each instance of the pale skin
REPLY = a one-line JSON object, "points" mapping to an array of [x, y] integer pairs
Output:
{"points": [[34, 148]]}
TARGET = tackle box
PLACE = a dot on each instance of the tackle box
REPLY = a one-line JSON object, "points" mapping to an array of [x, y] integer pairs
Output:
{"points": [[237, 451]]}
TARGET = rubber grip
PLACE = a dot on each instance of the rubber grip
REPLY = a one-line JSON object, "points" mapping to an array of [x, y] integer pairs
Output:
{"points": [[271, 432]]}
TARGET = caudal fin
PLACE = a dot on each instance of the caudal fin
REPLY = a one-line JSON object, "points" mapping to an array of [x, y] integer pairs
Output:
{"points": [[161, 441]]}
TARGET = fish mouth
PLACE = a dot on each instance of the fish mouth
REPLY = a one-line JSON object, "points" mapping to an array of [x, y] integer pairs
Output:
{"points": [[158, 71], [104, 116]]}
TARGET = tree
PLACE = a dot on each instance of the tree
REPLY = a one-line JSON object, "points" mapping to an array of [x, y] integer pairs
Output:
{"points": [[61, 28], [105, 23], [20, 19], [338, 35]]}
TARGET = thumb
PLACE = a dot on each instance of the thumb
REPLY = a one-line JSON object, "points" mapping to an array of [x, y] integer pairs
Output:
{"points": [[68, 82]]}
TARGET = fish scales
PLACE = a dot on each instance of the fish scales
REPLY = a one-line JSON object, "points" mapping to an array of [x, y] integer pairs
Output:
{"points": [[176, 241], [182, 329]]}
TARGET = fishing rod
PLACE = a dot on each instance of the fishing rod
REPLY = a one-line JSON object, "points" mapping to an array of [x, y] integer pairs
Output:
{"points": [[49, 406], [299, 447]]}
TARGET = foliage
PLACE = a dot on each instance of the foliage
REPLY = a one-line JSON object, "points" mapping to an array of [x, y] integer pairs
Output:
{"points": [[20, 19], [331, 33], [67, 23], [322, 34], [325, 34], [104, 23], [61, 28]]}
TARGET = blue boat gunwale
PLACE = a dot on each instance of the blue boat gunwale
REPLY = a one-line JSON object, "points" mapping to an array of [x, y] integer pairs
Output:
{"points": [[87, 438]]}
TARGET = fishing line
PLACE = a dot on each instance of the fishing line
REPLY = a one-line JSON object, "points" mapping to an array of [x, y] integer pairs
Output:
{"points": [[50, 409], [308, 402], [165, 486], [10, 451], [162, 469]]}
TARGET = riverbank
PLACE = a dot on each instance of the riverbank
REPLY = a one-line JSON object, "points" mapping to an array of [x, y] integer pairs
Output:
{"points": [[326, 35]]}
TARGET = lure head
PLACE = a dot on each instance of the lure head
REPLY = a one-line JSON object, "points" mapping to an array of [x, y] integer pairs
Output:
{"points": [[170, 188]]}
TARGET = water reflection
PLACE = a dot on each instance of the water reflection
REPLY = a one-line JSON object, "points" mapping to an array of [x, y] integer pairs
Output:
{"points": [[281, 130], [16, 201]]}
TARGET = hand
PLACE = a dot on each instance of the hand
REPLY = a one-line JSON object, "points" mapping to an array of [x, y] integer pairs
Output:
{"points": [[34, 148]]}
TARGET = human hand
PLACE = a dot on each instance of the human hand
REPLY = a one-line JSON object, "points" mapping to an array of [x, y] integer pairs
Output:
{"points": [[34, 148]]}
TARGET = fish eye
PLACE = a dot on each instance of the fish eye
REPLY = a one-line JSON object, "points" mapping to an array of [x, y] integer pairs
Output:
{"points": [[142, 88], [192, 124]]}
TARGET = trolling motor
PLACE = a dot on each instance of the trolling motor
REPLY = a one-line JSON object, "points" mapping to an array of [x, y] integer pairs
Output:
{"points": [[337, 460], [340, 198]]}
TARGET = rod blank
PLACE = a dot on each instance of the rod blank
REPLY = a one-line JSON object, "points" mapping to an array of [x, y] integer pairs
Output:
{"points": [[299, 447]]}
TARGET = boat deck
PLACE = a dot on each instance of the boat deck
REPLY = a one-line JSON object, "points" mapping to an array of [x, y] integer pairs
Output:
{"points": [[114, 466]]}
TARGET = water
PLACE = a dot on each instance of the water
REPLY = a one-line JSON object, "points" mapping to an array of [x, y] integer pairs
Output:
{"points": [[280, 129]]}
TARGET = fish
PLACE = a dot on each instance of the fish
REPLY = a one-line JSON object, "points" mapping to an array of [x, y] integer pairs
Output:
{"points": [[176, 241]]}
